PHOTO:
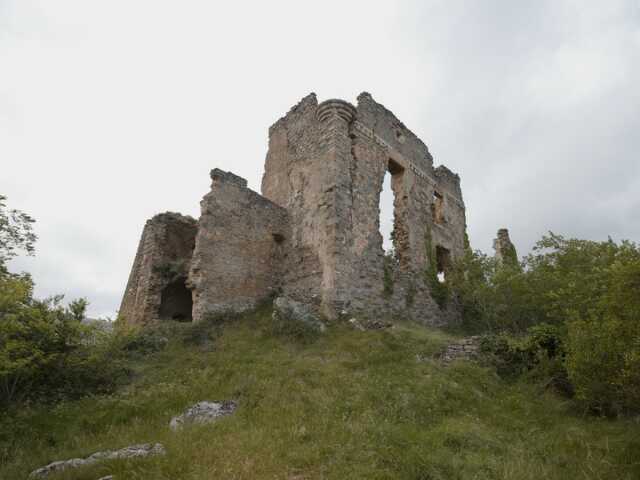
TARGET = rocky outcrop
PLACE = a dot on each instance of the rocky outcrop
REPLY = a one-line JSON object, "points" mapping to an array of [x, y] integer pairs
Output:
{"points": [[287, 310], [133, 451], [203, 412]]}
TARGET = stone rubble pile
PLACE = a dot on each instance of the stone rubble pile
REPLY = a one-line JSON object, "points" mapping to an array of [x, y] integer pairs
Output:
{"points": [[369, 325], [288, 310]]}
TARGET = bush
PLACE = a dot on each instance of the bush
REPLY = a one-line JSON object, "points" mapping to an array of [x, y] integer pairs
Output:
{"points": [[574, 308], [539, 354], [46, 352], [604, 344]]}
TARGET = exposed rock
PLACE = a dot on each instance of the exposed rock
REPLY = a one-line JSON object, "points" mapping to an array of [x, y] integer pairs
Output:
{"points": [[369, 324], [287, 310], [133, 451], [356, 324], [378, 325], [203, 412], [464, 349], [108, 477]]}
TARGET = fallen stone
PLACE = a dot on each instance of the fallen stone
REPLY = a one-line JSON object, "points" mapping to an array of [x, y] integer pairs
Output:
{"points": [[203, 412], [378, 325], [287, 310], [133, 451], [356, 324], [108, 477]]}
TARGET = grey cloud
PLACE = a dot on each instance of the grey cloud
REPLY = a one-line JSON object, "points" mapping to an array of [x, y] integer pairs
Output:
{"points": [[114, 118]]}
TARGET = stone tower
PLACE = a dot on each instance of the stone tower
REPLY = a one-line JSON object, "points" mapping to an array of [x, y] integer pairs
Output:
{"points": [[313, 235], [505, 250]]}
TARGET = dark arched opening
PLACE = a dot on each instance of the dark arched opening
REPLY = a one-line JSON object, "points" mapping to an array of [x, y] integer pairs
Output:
{"points": [[176, 302]]}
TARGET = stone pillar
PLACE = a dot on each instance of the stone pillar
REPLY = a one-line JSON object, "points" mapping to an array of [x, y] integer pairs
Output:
{"points": [[505, 250], [334, 119]]}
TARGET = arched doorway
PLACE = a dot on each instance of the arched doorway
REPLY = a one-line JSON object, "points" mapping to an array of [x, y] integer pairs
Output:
{"points": [[176, 301]]}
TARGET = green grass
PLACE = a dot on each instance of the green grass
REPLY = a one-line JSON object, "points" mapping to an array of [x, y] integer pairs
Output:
{"points": [[349, 405]]}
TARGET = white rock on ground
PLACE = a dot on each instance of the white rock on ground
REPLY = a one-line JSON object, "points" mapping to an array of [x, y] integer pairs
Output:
{"points": [[141, 450], [203, 412]]}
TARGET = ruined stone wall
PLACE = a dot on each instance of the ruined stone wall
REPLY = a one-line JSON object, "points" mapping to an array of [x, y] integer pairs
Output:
{"points": [[163, 258], [383, 144], [302, 174], [505, 250], [315, 234], [241, 248], [326, 165]]}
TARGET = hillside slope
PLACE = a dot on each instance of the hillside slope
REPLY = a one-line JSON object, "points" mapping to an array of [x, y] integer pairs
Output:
{"points": [[350, 404]]}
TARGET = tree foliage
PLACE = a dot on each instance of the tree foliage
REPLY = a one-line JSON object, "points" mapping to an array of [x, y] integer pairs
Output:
{"points": [[46, 351], [587, 292], [16, 233]]}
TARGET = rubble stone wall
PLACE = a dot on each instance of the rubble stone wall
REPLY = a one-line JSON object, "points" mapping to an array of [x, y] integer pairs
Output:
{"points": [[314, 233], [326, 165], [164, 254], [240, 249]]}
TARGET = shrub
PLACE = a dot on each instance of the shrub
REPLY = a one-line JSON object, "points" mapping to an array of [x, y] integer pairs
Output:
{"points": [[538, 354], [46, 352], [604, 344]]}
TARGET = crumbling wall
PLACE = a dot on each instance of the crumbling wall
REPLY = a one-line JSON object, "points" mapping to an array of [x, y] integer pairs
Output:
{"points": [[159, 269], [315, 234], [505, 250], [241, 248], [326, 165], [382, 143], [305, 173]]}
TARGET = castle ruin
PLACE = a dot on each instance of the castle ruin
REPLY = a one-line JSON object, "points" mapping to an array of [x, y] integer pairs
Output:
{"points": [[313, 234]]}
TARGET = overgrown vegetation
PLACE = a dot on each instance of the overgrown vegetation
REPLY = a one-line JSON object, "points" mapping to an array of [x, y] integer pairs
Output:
{"points": [[352, 404], [439, 290], [46, 352], [389, 265], [585, 294], [344, 404]]}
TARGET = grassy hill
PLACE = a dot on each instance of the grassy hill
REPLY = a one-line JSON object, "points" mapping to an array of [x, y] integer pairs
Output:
{"points": [[349, 404]]}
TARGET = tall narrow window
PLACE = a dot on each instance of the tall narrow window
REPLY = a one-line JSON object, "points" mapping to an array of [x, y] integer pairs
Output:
{"points": [[386, 213], [437, 208], [392, 229], [443, 259]]}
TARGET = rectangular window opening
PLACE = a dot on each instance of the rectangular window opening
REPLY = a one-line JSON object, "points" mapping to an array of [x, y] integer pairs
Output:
{"points": [[437, 208], [443, 262]]}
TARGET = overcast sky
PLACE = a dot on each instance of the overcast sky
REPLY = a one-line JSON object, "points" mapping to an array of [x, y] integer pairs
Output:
{"points": [[112, 111]]}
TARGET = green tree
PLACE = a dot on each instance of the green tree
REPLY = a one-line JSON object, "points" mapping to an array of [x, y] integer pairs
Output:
{"points": [[16, 233], [587, 296], [604, 337], [46, 352]]}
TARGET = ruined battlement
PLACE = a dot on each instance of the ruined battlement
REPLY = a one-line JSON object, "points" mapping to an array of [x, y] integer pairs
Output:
{"points": [[221, 176], [313, 234]]}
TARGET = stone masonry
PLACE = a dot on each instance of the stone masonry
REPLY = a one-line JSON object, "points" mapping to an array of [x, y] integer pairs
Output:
{"points": [[505, 250], [314, 234]]}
